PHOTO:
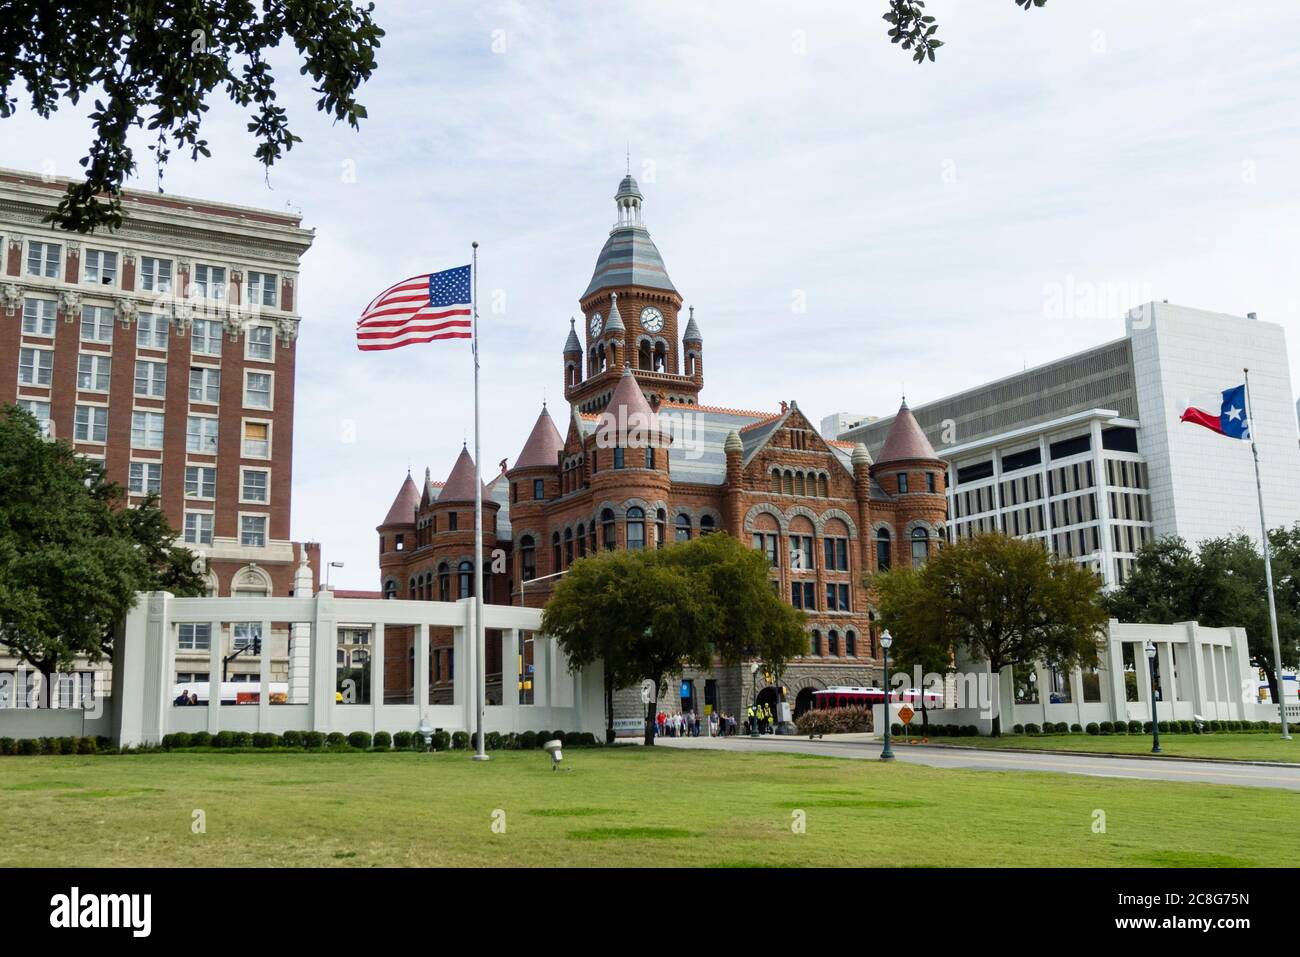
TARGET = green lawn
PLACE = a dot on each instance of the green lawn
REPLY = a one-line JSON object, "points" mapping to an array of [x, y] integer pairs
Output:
{"points": [[1241, 747], [621, 806]]}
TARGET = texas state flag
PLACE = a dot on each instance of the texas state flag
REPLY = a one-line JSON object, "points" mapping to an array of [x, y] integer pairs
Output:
{"points": [[1229, 420]]}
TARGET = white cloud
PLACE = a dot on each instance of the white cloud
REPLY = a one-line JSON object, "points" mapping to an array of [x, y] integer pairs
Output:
{"points": [[925, 211]]}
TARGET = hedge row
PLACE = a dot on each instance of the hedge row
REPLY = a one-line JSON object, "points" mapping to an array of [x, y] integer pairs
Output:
{"points": [[305, 740], [936, 730], [1144, 727]]}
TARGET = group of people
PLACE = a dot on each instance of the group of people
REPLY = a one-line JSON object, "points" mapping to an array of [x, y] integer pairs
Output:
{"points": [[762, 716], [689, 724], [186, 698]]}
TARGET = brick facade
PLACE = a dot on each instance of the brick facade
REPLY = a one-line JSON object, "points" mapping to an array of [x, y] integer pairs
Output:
{"points": [[823, 511], [104, 276]]}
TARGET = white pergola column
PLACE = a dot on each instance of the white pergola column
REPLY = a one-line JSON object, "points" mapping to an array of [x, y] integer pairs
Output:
{"points": [[421, 667], [376, 674]]}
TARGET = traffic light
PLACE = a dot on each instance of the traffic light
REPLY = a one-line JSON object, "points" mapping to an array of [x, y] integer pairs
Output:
{"points": [[257, 646]]}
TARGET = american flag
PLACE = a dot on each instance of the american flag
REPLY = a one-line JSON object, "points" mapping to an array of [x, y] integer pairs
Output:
{"points": [[419, 309]]}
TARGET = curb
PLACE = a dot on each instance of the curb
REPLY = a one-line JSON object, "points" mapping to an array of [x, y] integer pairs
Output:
{"points": [[1107, 754]]}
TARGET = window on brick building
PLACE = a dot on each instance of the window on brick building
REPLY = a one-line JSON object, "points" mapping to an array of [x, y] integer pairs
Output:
{"points": [[209, 282], [44, 259], [527, 558], [93, 372], [683, 528], [555, 552], [151, 379], [661, 528], [635, 529], [850, 644], [607, 527], [99, 267], [929, 482], [35, 366], [582, 540], [815, 642], [390, 589], [39, 316], [902, 483], [144, 478], [444, 582], [883, 550], [833, 644], [568, 546], [452, 521], [706, 525], [539, 489], [96, 324], [618, 458], [920, 546], [801, 553], [466, 574], [155, 274]]}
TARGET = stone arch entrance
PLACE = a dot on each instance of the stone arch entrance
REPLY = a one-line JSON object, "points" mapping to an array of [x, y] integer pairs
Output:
{"points": [[803, 701]]}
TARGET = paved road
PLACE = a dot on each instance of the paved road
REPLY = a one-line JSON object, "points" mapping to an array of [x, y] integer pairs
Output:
{"points": [[937, 756]]}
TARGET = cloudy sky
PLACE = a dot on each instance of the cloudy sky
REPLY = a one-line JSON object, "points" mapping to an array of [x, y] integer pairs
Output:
{"points": [[847, 224]]}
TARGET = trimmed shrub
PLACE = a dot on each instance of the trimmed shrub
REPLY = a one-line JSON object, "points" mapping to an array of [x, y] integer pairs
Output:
{"points": [[292, 739], [1032, 729], [1018, 729], [528, 740], [1146, 727], [243, 739], [1164, 726], [1120, 727], [87, 746], [51, 746], [359, 739], [442, 740], [970, 731], [1216, 725], [1093, 728], [402, 740], [264, 739], [383, 741], [181, 739], [1106, 728], [313, 740], [896, 729], [1135, 727], [224, 739], [543, 737], [168, 741], [336, 739], [201, 739], [493, 740], [1076, 729], [459, 741], [29, 746], [8, 746], [838, 721]]}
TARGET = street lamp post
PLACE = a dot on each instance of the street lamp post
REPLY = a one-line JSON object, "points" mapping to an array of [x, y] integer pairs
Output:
{"points": [[753, 708], [886, 640], [1155, 726]]}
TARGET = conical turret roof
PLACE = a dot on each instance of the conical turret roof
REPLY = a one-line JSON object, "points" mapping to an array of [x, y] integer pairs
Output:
{"points": [[615, 321], [905, 440], [692, 333], [571, 344], [543, 446], [459, 486], [402, 511]]}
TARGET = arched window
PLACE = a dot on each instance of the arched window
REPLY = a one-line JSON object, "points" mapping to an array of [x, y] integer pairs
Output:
{"points": [[798, 483], [644, 359], [706, 525], [444, 582], [635, 528], [527, 558], [555, 552], [607, 526], [776, 482], [390, 589], [871, 634], [683, 528], [882, 550], [661, 357], [920, 547], [466, 570], [833, 644], [592, 532], [850, 644], [787, 483], [582, 540], [568, 546], [410, 589], [823, 487], [815, 643], [661, 528]]}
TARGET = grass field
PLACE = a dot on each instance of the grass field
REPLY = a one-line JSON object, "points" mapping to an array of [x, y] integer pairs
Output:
{"points": [[1239, 747], [625, 806]]}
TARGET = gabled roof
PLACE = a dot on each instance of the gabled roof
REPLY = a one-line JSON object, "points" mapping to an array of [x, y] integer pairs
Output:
{"points": [[543, 446], [402, 511], [459, 486], [905, 440]]}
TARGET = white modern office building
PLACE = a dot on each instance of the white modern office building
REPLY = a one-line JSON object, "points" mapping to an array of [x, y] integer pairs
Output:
{"points": [[1088, 453]]}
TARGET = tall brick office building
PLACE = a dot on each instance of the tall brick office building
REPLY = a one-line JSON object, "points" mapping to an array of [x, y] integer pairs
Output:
{"points": [[166, 350], [822, 511]]}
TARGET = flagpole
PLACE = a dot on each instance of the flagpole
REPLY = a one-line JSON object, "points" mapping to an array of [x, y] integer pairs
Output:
{"points": [[1268, 567], [480, 678]]}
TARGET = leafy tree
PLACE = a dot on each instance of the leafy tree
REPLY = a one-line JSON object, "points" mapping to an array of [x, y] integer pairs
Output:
{"points": [[915, 29], [156, 64], [71, 558], [1221, 584], [997, 599], [650, 613]]}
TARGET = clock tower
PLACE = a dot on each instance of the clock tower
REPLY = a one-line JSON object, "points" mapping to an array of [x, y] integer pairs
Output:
{"points": [[630, 319]]}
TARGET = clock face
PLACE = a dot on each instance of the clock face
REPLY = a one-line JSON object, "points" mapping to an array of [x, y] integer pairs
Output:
{"points": [[596, 323], [652, 320]]}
